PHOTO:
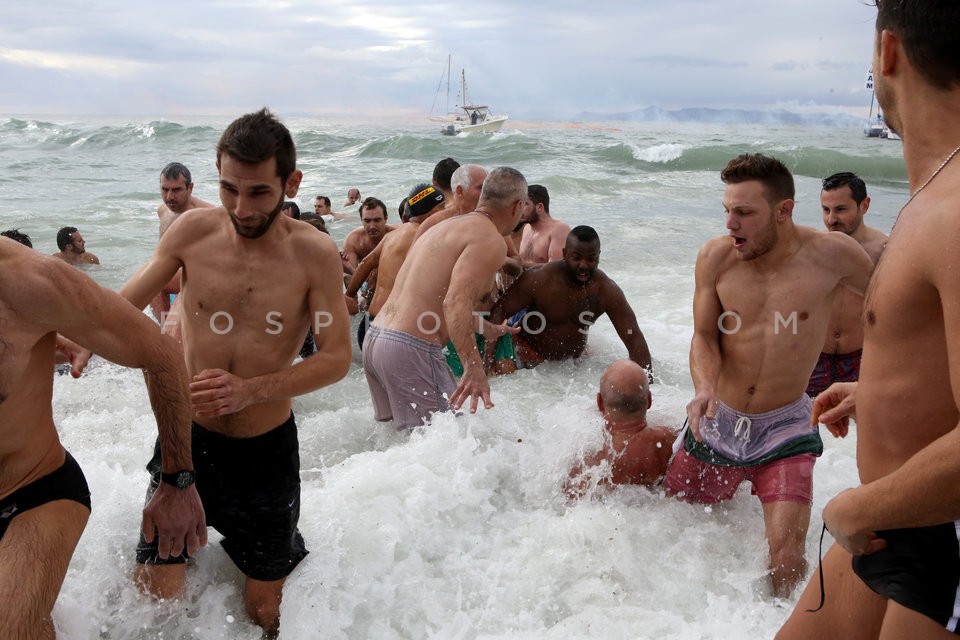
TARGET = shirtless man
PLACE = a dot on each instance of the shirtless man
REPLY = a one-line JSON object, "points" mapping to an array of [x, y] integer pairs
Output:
{"points": [[353, 197], [635, 452], [899, 524], [19, 236], [321, 207], [44, 499], [362, 240], [761, 304], [73, 248], [844, 201], [543, 237], [442, 174], [253, 282], [176, 190], [444, 277], [465, 184], [562, 299], [387, 258]]}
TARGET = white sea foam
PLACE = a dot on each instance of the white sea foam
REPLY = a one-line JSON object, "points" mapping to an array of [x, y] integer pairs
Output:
{"points": [[662, 153]]}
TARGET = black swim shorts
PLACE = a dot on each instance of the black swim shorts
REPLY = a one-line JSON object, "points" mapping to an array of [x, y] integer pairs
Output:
{"points": [[250, 489], [919, 569], [66, 483]]}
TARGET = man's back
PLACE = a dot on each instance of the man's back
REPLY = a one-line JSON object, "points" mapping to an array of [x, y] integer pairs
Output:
{"points": [[393, 251], [416, 305]]}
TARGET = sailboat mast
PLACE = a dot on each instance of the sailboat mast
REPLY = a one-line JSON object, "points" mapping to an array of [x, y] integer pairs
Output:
{"points": [[448, 83]]}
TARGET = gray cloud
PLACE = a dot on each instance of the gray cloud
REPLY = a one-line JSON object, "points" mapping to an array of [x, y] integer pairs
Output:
{"points": [[118, 57]]}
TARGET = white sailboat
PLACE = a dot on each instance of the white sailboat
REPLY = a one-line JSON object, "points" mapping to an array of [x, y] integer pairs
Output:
{"points": [[875, 126], [467, 117]]}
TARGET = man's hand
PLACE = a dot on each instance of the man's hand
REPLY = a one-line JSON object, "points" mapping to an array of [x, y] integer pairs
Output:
{"points": [[72, 353], [215, 392], [473, 385], [493, 332], [176, 517], [838, 520], [703, 405], [834, 408]]}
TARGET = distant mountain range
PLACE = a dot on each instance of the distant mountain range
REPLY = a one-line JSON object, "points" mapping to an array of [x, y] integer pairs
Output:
{"points": [[730, 116]]}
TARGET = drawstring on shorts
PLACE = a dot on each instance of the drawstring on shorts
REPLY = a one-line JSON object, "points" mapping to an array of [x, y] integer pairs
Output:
{"points": [[823, 595]]}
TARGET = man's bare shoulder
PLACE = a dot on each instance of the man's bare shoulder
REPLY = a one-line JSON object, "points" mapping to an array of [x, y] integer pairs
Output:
{"points": [[606, 284], [829, 246], [305, 237], [542, 274], [874, 242], [197, 221], [353, 238], [31, 280], [716, 251], [559, 228]]}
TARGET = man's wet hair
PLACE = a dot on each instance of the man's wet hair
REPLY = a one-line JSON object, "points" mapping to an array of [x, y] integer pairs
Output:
{"points": [[503, 186], [324, 199], [858, 189], [462, 177], [174, 170], [19, 236], [293, 206], [372, 203], [443, 171], [316, 221], [256, 137], [584, 233], [773, 174], [928, 31], [538, 194], [63, 237]]}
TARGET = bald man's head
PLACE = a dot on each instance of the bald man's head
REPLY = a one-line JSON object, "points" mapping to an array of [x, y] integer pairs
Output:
{"points": [[624, 391]]}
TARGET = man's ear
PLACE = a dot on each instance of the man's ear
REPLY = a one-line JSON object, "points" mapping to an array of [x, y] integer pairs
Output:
{"points": [[600, 402], [293, 183], [785, 209], [889, 46]]}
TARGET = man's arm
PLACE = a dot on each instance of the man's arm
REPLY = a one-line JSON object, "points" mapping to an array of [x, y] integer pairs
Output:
{"points": [[102, 321], [165, 263], [705, 357], [350, 248], [364, 269], [558, 240], [471, 277], [625, 322], [849, 258], [517, 297]]}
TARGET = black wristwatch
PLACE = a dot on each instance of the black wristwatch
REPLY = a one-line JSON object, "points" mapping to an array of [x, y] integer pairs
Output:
{"points": [[180, 479]]}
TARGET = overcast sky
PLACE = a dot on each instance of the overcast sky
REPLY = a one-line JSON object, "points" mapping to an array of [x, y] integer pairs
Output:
{"points": [[126, 57]]}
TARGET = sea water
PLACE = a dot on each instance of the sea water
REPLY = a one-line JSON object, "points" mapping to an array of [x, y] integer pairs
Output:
{"points": [[459, 530]]}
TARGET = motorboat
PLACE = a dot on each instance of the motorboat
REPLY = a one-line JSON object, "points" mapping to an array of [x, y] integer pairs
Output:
{"points": [[468, 117]]}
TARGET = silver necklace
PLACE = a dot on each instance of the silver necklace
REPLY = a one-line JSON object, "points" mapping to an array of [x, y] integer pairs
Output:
{"points": [[924, 185]]}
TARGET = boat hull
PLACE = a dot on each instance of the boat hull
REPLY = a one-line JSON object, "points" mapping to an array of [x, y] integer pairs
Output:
{"points": [[491, 125]]}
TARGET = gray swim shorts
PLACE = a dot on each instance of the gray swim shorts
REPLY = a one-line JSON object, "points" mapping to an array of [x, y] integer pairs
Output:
{"points": [[409, 378]]}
